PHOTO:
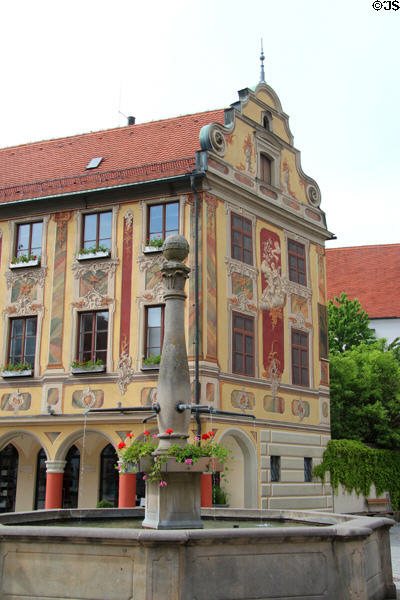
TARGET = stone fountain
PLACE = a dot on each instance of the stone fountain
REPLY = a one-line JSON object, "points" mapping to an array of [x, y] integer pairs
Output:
{"points": [[176, 505], [344, 557]]}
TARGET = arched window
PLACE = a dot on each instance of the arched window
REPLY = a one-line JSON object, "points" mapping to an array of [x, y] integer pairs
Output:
{"points": [[109, 480], [8, 478], [40, 493], [71, 478], [266, 123]]}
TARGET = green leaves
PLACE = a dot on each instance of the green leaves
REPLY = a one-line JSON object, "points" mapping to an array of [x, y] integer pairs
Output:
{"points": [[365, 395], [356, 467], [348, 324]]}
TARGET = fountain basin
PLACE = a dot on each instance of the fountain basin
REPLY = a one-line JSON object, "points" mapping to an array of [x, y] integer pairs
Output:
{"points": [[345, 558]]}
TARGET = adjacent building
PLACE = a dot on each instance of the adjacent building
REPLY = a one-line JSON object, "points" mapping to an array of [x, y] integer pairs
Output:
{"points": [[371, 274], [81, 223]]}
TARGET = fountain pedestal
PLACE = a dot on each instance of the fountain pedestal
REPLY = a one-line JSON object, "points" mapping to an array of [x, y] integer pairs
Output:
{"points": [[176, 505]]}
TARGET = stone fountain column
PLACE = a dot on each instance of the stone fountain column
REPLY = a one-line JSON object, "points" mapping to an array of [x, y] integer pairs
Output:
{"points": [[176, 505]]}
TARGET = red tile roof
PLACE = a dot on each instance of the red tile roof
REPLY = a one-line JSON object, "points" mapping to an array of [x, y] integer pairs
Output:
{"points": [[133, 153], [369, 273]]}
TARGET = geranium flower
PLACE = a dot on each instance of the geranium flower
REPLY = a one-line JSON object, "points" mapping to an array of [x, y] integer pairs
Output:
{"points": [[211, 433], [154, 435], [163, 483], [130, 435], [188, 461], [144, 477], [146, 432], [121, 445], [197, 439], [169, 431], [205, 436]]}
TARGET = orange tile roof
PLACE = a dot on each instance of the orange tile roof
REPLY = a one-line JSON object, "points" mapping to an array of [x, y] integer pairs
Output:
{"points": [[132, 153], [369, 273]]}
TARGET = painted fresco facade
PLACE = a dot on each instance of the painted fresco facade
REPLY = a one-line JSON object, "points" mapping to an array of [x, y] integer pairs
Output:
{"points": [[267, 289]]}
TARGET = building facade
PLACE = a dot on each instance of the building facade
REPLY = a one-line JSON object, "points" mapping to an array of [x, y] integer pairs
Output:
{"points": [[371, 274], [81, 223]]}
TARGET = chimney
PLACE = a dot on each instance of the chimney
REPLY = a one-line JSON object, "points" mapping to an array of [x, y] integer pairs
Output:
{"points": [[131, 120]]}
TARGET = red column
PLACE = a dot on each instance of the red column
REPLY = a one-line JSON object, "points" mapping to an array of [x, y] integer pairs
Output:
{"points": [[127, 490], [54, 483], [206, 489]]}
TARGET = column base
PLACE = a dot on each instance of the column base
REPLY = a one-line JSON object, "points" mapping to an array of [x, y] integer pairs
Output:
{"points": [[176, 505]]}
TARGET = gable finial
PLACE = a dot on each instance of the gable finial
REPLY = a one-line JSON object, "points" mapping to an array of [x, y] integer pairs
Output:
{"points": [[262, 58]]}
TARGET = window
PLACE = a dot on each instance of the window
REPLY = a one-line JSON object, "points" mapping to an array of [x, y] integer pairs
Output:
{"points": [[154, 330], [163, 220], [265, 168], [300, 358], [266, 123], [307, 469], [97, 230], [29, 239], [297, 262], [22, 341], [275, 465], [93, 334], [243, 344], [241, 239]]}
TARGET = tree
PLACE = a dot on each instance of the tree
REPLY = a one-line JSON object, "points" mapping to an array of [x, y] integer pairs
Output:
{"points": [[365, 394], [348, 324]]}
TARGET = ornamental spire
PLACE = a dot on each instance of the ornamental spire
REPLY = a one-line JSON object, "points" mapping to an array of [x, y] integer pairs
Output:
{"points": [[262, 58]]}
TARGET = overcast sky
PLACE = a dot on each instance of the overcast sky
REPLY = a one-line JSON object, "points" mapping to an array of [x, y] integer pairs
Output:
{"points": [[72, 67]]}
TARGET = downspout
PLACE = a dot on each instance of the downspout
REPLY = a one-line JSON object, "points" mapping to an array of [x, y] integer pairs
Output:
{"points": [[196, 302]]}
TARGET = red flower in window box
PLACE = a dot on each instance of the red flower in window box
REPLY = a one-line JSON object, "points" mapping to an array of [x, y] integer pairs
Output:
{"points": [[146, 432], [121, 445], [169, 431], [205, 436], [130, 435]]}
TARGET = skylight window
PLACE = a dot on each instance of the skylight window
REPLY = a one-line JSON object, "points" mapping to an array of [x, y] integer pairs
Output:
{"points": [[94, 162]]}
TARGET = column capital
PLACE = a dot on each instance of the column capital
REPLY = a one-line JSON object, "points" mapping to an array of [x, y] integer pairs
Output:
{"points": [[55, 466]]}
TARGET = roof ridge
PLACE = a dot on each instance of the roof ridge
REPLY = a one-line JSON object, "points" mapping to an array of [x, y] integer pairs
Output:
{"points": [[112, 129], [363, 246]]}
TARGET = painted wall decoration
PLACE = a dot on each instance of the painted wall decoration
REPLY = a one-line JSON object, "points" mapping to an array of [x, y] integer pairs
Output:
{"points": [[321, 274], [324, 372], [25, 287], [53, 396], [274, 405], [210, 393], [242, 400], [249, 153], [88, 398], [148, 396], [16, 401], [52, 435], [323, 331], [242, 284], [192, 319], [300, 408], [211, 206], [93, 280], [273, 299], [57, 304]]}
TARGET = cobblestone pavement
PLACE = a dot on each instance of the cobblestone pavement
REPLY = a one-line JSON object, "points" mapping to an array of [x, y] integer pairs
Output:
{"points": [[395, 548]]}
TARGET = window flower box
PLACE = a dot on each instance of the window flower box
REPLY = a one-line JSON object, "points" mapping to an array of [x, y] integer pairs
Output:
{"points": [[149, 249], [150, 367], [88, 370], [204, 464], [17, 373], [34, 262], [94, 255]]}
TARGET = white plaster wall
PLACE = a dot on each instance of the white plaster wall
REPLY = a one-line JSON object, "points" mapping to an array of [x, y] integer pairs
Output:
{"points": [[386, 328]]}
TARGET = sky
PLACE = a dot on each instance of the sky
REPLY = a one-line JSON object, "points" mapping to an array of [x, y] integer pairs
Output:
{"points": [[78, 66]]}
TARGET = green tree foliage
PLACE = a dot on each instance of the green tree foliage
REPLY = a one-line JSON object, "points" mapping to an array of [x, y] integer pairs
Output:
{"points": [[356, 467], [348, 324], [365, 395]]}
